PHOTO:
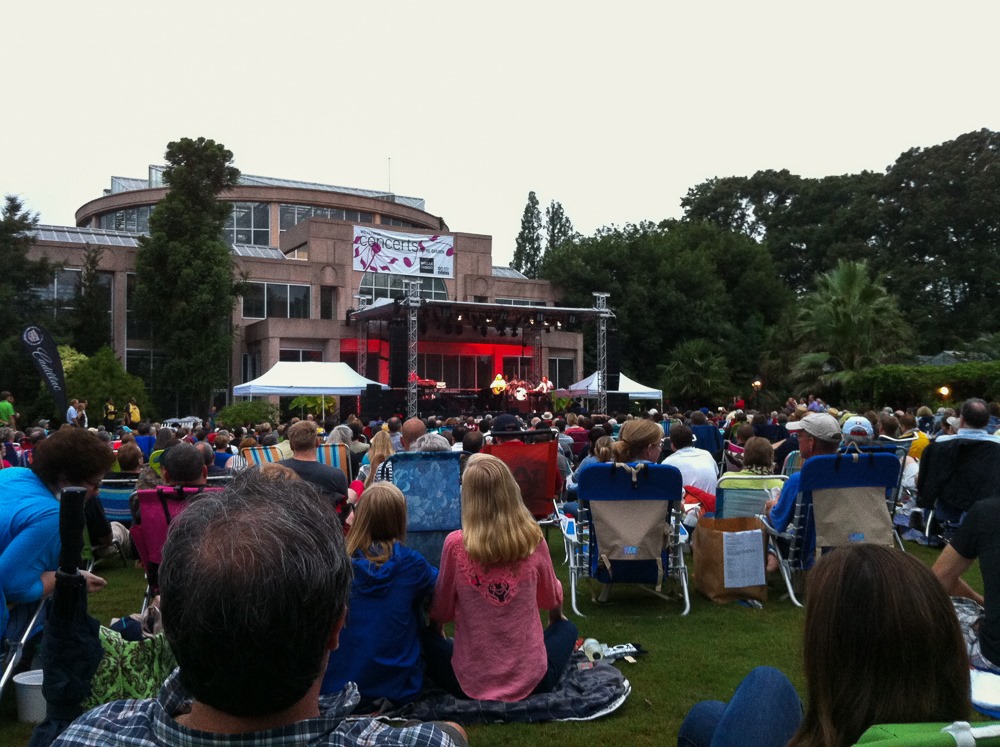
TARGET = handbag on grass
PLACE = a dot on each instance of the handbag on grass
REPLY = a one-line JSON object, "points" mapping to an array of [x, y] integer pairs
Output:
{"points": [[729, 559]]}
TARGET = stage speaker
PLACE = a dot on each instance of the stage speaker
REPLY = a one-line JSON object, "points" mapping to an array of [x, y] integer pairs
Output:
{"points": [[375, 403], [614, 361], [398, 345], [617, 403]]}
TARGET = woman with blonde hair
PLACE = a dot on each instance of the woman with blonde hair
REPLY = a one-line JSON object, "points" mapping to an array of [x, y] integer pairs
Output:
{"points": [[381, 449], [380, 642], [496, 574], [639, 441]]}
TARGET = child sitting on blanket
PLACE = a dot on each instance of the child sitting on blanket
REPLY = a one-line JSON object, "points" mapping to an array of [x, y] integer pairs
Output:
{"points": [[496, 573], [380, 645]]}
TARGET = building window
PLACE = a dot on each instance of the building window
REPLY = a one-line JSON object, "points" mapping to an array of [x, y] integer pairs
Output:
{"points": [[388, 220], [291, 215], [457, 371], [562, 372], [377, 285], [63, 293], [131, 220], [251, 366], [276, 301], [520, 302], [516, 367], [292, 355], [248, 223], [327, 302]]}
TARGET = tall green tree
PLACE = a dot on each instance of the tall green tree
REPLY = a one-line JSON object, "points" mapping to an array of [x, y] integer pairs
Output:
{"points": [[697, 373], [670, 283], [186, 282], [20, 303], [558, 226], [528, 247], [102, 375], [91, 324], [939, 238], [849, 323]]}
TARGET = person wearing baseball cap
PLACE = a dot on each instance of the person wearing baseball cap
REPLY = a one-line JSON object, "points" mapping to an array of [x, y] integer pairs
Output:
{"points": [[818, 434], [858, 430]]}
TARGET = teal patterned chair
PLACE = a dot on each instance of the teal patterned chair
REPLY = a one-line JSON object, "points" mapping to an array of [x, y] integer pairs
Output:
{"points": [[432, 484]]}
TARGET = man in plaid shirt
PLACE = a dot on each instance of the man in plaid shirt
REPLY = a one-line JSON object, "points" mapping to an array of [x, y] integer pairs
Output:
{"points": [[254, 587]]}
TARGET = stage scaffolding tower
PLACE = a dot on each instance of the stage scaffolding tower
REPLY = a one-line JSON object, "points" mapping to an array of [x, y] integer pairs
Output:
{"points": [[412, 303], [601, 304], [363, 338]]}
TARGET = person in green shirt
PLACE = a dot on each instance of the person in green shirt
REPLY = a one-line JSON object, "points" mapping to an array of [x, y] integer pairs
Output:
{"points": [[7, 414]]}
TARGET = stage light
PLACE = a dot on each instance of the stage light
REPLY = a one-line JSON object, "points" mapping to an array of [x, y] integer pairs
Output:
{"points": [[459, 318], [558, 325]]}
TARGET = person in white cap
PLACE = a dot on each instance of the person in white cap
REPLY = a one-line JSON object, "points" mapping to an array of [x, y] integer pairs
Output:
{"points": [[818, 434]]}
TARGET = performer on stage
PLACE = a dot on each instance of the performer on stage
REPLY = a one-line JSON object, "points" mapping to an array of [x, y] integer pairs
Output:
{"points": [[544, 386]]}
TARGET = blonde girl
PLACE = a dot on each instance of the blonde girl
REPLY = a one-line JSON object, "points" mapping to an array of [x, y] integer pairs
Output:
{"points": [[496, 575]]}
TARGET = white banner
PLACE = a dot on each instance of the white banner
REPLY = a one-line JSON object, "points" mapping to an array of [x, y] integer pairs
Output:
{"points": [[376, 250]]}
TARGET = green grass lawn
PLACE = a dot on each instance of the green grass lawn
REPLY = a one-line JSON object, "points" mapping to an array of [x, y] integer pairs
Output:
{"points": [[703, 655]]}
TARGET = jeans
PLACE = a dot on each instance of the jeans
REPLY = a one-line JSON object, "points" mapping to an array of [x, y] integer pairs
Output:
{"points": [[560, 639], [764, 711]]}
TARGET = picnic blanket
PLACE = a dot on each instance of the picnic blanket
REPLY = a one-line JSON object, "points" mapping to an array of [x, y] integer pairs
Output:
{"points": [[584, 693]]}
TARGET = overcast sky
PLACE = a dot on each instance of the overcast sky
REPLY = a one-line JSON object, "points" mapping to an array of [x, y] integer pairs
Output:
{"points": [[615, 110]]}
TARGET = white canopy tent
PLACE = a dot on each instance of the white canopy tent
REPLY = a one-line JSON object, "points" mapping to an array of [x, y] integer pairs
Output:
{"points": [[589, 388], [308, 379]]}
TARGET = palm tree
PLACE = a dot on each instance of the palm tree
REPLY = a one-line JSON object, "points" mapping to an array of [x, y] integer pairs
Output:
{"points": [[697, 372], [850, 322]]}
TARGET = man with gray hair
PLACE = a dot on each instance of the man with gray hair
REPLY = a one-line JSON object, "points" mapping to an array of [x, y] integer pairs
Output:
{"points": [[254, 587]]}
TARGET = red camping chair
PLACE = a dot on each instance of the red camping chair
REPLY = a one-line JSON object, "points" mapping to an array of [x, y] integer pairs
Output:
{"points": [[535, 470]]}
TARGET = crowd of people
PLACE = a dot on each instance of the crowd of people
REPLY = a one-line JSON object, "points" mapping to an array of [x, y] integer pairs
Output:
{"points": [[310, 569]]}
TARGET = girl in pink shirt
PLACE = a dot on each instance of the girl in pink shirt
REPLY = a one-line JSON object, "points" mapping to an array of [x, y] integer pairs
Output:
{"points": [[495, 576]]}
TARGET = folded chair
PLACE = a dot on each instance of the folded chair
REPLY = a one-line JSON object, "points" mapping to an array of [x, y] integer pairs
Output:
{"points": [[336, 455], [635, 526], [157, 508], [732, 457], [25, 620], [258, 455], [841, 500], [431, 482], [114, 497], [792, 464], [576, 541], [900, 448], [745, 495], [535, 470]]}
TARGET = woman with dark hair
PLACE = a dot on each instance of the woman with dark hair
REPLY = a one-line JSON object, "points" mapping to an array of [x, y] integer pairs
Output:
{"points": [[882, 645], [29, 512]]}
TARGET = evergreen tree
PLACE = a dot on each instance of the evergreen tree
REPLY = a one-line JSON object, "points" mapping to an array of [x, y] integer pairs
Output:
{"points": [[20, 304], [558, 227], [185, 274], [528, 246], [91, 321]]}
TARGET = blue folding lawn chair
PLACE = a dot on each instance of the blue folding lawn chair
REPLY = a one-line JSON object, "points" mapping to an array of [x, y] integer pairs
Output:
{"points": [[841, 500], [635, 526]]}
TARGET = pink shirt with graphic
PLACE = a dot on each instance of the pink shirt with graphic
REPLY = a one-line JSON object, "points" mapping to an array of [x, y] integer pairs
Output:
{"points": [[499, 645]]}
